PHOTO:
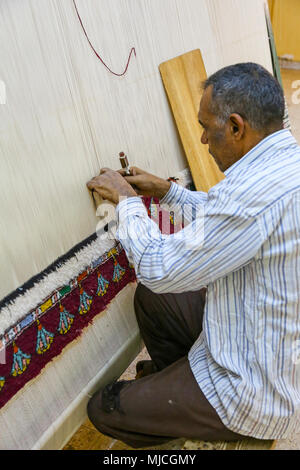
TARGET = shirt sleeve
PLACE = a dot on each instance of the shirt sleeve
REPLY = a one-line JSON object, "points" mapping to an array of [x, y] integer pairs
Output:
{"points": [[183, 201], [221, 239]]}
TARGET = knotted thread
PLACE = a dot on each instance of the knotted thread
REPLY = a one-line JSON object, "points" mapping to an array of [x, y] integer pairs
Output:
{"points": [[91, 45]]}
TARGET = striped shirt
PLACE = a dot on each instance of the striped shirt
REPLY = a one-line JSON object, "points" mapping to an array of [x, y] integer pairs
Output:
{"points": [[246, 359]]}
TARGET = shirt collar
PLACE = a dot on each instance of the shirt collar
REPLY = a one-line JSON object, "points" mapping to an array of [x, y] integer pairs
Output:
{"points": [[280, 139]]}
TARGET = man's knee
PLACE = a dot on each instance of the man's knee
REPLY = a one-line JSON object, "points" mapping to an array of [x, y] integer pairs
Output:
{"points": [[105, 405], [93, 409], [97, 416]]}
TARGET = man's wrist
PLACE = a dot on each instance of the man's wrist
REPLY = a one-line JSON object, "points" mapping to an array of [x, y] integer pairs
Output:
{"points": [[125, 194], [163, 189]]}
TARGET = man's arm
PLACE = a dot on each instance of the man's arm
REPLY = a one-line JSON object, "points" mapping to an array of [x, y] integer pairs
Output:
{"points": [[219, 241], [171, 194]]}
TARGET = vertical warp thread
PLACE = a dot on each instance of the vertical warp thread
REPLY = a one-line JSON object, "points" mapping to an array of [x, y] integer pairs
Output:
{"points": [[92, 47]]}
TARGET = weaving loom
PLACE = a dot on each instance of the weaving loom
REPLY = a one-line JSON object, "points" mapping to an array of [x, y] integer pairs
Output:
{"points": [[67, 323]]}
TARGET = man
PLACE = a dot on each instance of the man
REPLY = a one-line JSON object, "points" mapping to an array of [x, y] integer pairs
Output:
{"points": [[219, 311]]}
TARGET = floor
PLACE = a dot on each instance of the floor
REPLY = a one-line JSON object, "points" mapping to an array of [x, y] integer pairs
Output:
{"points": [[87, 437]]}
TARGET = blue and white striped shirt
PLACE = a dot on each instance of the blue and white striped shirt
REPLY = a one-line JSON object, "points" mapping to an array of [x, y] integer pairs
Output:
{"points": [[246, 358]]}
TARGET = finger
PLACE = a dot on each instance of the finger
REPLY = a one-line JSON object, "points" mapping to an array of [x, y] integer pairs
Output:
{"points": [[137, 179], [104, 170], [138, 171], [99, 191], [94, 183], [132, 169], [90, 185], [135, 171]]}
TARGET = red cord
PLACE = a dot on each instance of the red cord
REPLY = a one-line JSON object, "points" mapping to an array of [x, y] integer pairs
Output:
{"points": [[132, 49]]}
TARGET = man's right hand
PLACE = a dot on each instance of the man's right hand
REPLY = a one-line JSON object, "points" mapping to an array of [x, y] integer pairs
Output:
{"points": [[146, 184]]}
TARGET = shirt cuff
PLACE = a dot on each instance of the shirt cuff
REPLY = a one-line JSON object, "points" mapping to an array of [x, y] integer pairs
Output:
{"points": [[130, 206], [175, 195]]}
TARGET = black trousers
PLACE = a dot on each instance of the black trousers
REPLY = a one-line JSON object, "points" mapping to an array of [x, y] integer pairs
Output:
{"points": [[167, 404]]}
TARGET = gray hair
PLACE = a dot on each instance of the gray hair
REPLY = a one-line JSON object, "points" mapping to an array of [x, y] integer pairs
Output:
{"points": [[249, 90]]}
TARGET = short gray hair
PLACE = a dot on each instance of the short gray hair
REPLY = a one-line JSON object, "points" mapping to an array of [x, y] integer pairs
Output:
{"points": [[249, 90]]}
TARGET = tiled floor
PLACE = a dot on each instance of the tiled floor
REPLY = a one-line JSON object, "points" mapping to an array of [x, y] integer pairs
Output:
{"points": [[87, 437]]}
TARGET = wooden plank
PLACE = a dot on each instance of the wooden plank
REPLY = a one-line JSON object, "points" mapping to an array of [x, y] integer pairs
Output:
{"points": [[182, 78]]}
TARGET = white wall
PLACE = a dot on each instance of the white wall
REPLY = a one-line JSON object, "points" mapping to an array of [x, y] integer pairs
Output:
{"points": [[66, 116]]}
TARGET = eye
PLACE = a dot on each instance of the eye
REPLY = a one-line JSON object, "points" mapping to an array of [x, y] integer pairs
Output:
{"points": [[202, 125]]}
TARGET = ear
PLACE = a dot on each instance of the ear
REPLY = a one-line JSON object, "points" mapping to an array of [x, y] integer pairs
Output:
{"points": [[237, 126]]}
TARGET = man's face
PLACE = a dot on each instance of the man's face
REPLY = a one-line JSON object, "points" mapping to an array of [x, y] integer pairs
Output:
{"points": [[215, 135]]}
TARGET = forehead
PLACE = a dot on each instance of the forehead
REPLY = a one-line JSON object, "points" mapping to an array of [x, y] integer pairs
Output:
{"points": [[205, 105]]}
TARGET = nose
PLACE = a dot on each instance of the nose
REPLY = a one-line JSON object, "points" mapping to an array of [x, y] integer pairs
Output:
{"points": [[204, 138]]}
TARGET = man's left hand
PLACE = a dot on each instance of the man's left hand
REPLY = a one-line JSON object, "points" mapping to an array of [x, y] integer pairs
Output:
{"points": [[110, 185]]}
